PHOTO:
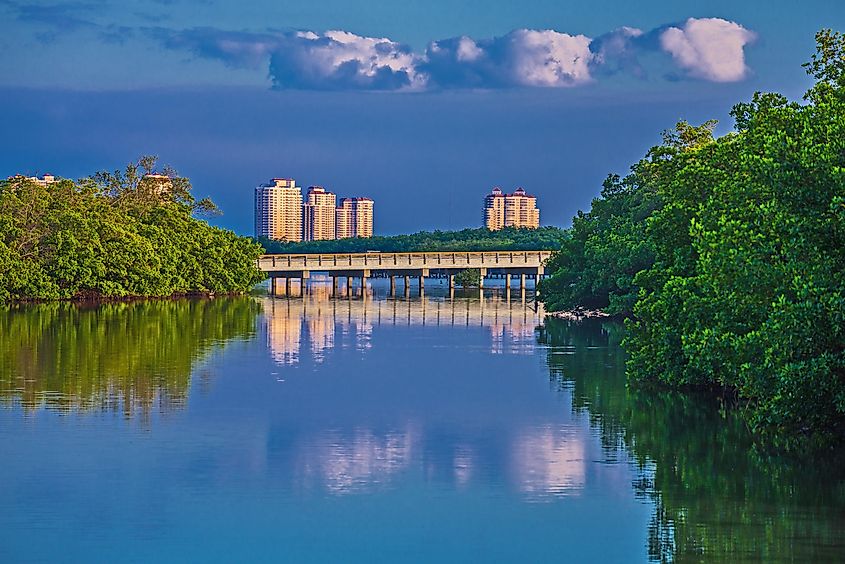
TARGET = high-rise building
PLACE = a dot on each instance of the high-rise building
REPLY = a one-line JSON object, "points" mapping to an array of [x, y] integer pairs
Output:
{"points": [[318, 214], [510, 210], [354, 218], [278, 210], [494, 209]]}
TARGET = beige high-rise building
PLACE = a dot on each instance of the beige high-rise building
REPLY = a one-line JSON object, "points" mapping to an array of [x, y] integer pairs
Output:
{"points": [[278, 210], [510, 210], [354, 218], [318, 214]]}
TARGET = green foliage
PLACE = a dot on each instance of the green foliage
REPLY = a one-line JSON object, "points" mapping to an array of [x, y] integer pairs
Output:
{"points": [[732, 253], [604, 249], [509, 239], [115, 235], [469, 278]]}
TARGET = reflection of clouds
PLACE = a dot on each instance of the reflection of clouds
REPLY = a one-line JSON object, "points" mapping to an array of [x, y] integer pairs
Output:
{"points": [[314, 323], [345, 464], [549, 462]]}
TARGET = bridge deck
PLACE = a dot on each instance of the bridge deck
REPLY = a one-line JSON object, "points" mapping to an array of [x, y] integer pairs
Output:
{"points": [[365, 263]]}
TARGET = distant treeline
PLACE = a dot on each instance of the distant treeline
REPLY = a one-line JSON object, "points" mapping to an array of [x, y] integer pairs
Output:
{"points": [[728, 257], [509, 239], [116, 235]]}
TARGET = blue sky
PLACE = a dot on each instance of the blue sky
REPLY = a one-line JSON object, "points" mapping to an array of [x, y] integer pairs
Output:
{"points": [[396, 101]]}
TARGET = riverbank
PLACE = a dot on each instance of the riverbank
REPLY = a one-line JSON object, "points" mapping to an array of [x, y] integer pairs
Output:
{"points": [[579, 314]]}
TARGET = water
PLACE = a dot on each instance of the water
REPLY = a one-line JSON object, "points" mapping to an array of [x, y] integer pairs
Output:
{"points": [[444, 428]]}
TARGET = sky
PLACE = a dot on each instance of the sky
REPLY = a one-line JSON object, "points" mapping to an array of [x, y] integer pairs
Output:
{"points": [[422, 106]]}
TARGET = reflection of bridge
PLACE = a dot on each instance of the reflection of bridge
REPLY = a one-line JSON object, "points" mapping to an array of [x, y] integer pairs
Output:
{"points": [[316, 322], [504, 264]]}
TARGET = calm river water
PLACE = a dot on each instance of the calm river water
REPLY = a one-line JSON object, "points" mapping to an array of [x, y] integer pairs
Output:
{"points": [[436, 428]]}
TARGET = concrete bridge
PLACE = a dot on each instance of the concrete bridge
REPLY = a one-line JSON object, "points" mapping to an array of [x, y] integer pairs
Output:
{"points": [[491, 264]]}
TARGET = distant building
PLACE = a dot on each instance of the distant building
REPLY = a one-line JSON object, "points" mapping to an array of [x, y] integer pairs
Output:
{"points": [[43, 181], [318, 214], [278, 210], [160, 184], [510, 210], [354, 218]]}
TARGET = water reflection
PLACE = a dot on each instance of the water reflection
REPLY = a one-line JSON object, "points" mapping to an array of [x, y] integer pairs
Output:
{"points": [[550, 463], [344, 464], [716, 496], [124, 357], [313, 321]]}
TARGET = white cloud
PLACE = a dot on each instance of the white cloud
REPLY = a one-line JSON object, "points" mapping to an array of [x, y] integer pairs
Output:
{"points": [[523, 57], [340, 59], [709, 48], [549, 58], [468, 50]]}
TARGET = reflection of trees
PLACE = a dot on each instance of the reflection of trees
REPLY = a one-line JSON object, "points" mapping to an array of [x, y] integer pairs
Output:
{"points": [[115, 356], [716, 496]]}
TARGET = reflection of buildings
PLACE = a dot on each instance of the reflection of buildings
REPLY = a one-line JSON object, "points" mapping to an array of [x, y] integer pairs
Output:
{"points": [[549, 462], [314, 323], [343, 463], [283, 336]]}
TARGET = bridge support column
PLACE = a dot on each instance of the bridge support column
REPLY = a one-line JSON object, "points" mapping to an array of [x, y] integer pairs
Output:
{"points": [[287, 287], [407, 281], [422, 281], [537, 285], [522, 282], [508, 283], [273, 286], [481, 280], [334, 285], [392, 285], [349, 286], [451, 281]]}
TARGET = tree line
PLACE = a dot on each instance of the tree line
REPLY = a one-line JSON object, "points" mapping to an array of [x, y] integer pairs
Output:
{"points": [[727, 256], [508, 239], [116, 234]]}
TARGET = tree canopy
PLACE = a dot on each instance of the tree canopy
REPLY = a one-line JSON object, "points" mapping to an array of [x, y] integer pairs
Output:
{"points": [[508, 239], [126, 233]]}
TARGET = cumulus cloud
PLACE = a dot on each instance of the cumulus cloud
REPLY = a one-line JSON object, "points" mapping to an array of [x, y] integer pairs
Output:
{"points": [[709, 48], [339, 59], [523, 57]]}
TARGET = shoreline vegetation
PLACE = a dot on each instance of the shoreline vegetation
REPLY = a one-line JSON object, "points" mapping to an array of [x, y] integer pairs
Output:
{"points": [[726, 256], [117, 236]]}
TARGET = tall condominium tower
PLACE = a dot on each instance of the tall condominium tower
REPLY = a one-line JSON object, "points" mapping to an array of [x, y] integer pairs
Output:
{"points": [[354, 218], [318, 214], [278, 210], [510, 210]]}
